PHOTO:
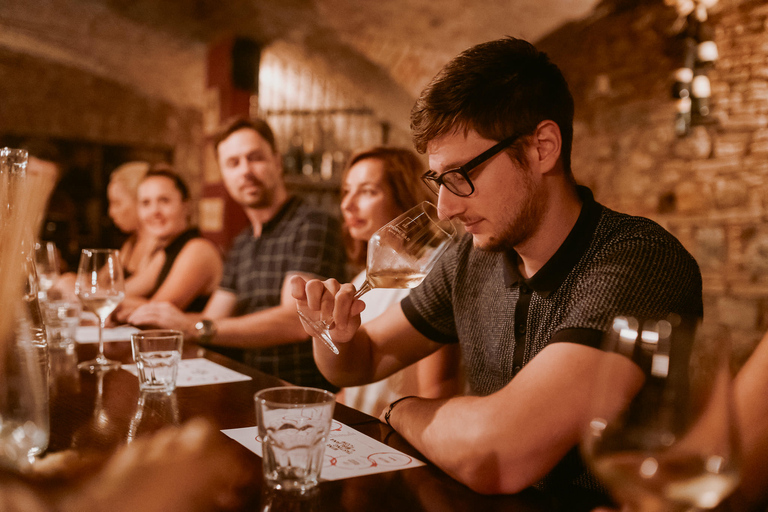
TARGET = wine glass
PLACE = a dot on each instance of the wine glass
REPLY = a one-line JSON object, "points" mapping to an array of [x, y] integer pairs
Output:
{"points": [[400, 255], [100, 287], [672, 445], [47, 266]]}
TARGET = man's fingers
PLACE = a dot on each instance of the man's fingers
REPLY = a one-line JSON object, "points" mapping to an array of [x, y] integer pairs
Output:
{"points": [[344, 300], [297, 288]]}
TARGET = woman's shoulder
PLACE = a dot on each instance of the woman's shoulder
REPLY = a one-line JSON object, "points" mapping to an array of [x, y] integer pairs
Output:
{"points": [[201, 246]]}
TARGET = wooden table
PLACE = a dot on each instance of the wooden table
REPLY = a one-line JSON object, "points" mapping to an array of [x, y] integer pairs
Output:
{"points": [[101, 412]]}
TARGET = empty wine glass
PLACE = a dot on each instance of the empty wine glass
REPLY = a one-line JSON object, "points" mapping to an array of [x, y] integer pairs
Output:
{"points": [[47, 266], [400, 255], [100, 287], [672, 445]]}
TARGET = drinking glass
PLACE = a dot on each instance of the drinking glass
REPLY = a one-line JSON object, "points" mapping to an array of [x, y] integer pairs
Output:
{"points": [[673, 444], [24, 420], [100, 287], [47, 266], [400, 255], [294, 424]]}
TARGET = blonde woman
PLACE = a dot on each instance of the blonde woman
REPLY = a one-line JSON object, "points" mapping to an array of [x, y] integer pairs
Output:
{"points": [[121, 194]]}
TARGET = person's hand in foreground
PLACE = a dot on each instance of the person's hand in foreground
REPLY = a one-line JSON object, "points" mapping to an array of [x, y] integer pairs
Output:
{"points": [[187, 469]]}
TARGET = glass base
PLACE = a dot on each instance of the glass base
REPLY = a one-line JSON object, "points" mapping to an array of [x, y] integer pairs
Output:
{"points": [[321, 331], [100, 364]]}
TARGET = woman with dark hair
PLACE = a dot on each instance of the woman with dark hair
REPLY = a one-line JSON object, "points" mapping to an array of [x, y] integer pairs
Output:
{"points": [[379, 184], [185, 268]]}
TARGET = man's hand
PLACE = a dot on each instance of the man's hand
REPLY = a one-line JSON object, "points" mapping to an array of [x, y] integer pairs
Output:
{"points": [[331, 302], [163, 315]]}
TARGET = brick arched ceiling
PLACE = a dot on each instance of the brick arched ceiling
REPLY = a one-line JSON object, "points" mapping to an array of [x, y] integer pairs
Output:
{"points": [[389, 49], [409, 39]]}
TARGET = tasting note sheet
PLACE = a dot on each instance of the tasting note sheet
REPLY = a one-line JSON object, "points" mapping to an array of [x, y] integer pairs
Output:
{"points": [[199, 372], [348, 453]]}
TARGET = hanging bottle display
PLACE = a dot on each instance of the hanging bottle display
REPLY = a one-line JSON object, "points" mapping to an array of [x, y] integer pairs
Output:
{"points": [[691, 87]]}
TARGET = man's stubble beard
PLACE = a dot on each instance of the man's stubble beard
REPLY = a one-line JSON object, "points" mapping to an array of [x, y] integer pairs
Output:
{"points": [[524, 220]]}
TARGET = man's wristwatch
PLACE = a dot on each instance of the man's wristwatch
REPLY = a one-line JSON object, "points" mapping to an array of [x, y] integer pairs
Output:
{"points": [[205, 331]]}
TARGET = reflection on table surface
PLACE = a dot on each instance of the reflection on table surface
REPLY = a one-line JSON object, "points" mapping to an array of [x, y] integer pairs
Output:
{"points": [[95, 413]]}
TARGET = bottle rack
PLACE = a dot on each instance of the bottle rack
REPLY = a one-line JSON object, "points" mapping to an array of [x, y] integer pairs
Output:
{"points": [[316, 144]]}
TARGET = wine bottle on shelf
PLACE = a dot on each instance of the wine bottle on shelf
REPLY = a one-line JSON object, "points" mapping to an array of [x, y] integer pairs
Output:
{"points": [[701, 91], [308, 163]]}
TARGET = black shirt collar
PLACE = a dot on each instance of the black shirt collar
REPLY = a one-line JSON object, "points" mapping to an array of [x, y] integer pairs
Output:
{"points": [[553, 273]]}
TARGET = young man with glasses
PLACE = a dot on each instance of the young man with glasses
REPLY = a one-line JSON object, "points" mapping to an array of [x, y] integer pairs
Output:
{"points": [[527, 292]]}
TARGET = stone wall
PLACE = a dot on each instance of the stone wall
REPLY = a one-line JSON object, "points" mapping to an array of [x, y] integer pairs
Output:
{"points": [[98, 124], [710, 188]]}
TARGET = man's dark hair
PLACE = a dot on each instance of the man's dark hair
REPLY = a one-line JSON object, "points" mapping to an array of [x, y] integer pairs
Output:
{"points": [[498, 89], [238, 123]]}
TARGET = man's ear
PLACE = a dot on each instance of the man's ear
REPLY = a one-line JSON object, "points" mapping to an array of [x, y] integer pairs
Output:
{"points": [[547, 144]]}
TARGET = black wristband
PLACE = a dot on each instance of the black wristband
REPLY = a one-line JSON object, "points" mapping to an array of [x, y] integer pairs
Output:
{"points": [[392, 406]]}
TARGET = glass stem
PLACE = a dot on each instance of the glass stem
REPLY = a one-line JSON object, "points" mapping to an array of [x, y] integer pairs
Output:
{"points": [[365, 287], [101, 356]]}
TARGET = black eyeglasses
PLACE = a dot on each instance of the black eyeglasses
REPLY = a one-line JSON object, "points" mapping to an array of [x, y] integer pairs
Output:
{"points": [[457, 180]]}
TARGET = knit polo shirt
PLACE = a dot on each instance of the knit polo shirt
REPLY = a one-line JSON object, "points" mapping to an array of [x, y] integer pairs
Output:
{"points": [[610, 264]]}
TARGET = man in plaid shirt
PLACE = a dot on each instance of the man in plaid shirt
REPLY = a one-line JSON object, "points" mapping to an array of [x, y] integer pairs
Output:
{"points": [[252, 316]]}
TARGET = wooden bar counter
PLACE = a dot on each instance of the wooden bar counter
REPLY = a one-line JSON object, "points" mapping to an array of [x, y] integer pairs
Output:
{"points": [[100, 412]]}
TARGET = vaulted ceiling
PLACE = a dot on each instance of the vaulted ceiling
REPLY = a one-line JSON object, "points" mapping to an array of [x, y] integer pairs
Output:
{"points": [[388, 48], [404, 37]]}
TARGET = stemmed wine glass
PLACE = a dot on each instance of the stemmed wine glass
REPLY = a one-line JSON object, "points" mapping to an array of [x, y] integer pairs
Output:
{"points": [[47, 266], [673, 445], [400, 255], [100, 287]]}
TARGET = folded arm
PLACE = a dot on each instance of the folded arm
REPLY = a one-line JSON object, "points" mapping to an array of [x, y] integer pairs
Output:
{"points": [[509, 440]]}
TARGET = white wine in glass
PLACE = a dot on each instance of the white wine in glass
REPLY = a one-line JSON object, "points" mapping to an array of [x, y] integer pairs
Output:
{"points": [[400, 255], [673, 445], [100, 286]]}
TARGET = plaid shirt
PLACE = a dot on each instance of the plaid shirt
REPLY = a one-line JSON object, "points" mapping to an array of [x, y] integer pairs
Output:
{"points": [[298, 238]]}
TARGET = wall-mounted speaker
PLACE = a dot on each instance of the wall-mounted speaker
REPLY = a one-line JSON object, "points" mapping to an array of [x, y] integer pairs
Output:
{"points": [[246, 54]]}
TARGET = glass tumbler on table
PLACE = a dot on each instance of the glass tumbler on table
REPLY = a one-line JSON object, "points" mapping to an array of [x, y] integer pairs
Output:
{"points": [[673, 445], [400, 255], [157, 353], [294, 424], [100, 286]]}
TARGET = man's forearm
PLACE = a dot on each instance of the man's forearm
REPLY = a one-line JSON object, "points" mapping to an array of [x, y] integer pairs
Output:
{"points": [[445, 434], [273, 326], [351, 366], [462, 436]]}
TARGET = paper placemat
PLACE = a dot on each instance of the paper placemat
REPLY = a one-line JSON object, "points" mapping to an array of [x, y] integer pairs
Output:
{"points": [[348, 453], [200, 372], [90, 333]]}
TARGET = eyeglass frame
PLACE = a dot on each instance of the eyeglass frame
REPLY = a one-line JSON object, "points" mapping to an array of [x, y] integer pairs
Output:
{"points": [[433, 180]]}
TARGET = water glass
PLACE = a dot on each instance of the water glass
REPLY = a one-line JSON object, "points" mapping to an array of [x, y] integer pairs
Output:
{"points": [[154, 411], [61, 319], [157, 354], [24, 421], [294, 424]]}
